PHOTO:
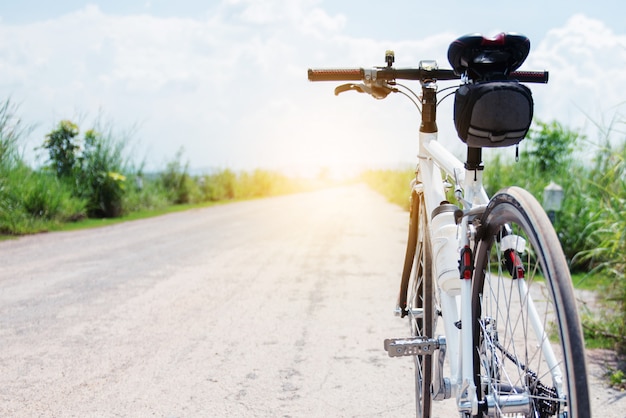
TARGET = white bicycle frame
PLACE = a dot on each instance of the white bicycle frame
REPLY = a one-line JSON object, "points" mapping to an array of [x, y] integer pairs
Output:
{"points": [[453, 234], [455, 294]]}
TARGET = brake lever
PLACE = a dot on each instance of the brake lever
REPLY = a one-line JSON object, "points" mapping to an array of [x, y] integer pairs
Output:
{"points": [[377, 92], [349, 86]]}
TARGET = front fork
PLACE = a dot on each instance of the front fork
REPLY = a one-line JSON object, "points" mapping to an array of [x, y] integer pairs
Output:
{"points": [[454, 274], [459, 334], [467, 397]]}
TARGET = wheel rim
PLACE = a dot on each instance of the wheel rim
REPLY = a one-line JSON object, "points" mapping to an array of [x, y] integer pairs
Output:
{"points": [[420, 304], [512, 354]]}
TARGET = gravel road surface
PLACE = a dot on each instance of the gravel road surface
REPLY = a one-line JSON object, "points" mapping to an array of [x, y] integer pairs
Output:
{"points": [[275, 307]]}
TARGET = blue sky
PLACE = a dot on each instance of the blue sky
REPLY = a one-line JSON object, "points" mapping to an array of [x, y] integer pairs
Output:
{"points": [[226, 80]]}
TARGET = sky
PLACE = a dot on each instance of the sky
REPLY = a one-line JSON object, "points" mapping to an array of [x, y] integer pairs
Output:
{"points": [[224, 81]]}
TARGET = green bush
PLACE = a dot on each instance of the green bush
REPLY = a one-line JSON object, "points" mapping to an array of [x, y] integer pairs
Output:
{"points": [[177, 183], [218, 186], [262, 183], [549, 148], [545, 155], [98, 174], [35, 201], [606, 237], [63, 148], [44, 196], [94, 166], [92, 176], [144, 193], [30, 201], [181, 187]]}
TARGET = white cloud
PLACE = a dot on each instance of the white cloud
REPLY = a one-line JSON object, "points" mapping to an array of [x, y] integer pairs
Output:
{"points": [[230, 86], [586, 60], [319, 24]]}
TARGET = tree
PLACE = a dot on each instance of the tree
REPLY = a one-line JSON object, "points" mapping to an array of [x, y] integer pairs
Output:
{"points": [[63, 148], [93, 170], [551, 146]]}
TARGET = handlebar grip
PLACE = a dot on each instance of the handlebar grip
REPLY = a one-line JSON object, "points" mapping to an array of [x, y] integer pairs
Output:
{"points": [[530, 76], [338, 74]]}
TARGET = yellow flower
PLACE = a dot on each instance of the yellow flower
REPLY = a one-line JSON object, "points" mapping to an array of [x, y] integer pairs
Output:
{"points": [[116, 176]]}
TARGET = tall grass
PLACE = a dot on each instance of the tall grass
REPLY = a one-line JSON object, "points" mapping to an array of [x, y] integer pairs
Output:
{"points": [[29, 200], [221, 185], [606, 242], [393, 184], [180, 187], [35, 201], [94, 166], [93, 176]]}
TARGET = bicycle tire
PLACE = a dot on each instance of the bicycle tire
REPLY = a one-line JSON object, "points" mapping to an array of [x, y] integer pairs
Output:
{"points": [[510, 352], [420, 299]]}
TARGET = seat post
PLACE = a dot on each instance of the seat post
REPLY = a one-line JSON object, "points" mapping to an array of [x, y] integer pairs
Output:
{"points": [[474, 159]]}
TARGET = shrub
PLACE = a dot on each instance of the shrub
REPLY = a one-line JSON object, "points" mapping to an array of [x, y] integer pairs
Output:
{"points": [[63, 148], [94, 166], [218, 186], [606, 240], [30, 201], [177, 183], [44, 196], [262, 183], [143, 193], [33, 201], [549, 147], [98, 175]]}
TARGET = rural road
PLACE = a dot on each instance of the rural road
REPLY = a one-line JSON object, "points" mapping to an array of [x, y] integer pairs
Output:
{"points": [[275, 307]]}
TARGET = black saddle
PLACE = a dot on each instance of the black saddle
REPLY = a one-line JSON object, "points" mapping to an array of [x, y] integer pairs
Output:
{"points": [[485, 58]]}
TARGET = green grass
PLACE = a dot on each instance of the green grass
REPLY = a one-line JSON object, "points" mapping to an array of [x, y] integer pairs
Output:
{"points": [[133, 216], [88, 223], [591, 281]]}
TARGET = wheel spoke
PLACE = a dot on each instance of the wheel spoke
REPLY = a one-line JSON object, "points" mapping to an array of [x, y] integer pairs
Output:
{"points": [[521, 292]]}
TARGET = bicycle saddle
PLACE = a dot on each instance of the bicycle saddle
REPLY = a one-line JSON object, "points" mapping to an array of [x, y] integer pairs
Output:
{"points": [[480, 56]]}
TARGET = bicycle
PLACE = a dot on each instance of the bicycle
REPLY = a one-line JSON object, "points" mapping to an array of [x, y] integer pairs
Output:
{"points": [[490, 271]]}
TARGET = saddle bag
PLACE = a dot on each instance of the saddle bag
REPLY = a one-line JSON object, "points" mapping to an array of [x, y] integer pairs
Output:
{"points": [[493, 113]]}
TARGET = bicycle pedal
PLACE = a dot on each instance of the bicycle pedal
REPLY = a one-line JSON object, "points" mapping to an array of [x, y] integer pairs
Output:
{"points": [[415, 312], [400, 347]]}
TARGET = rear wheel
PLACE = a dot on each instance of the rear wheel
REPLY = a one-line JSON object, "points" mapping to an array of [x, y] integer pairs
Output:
{"points": [[528, 348], [420, 303]]}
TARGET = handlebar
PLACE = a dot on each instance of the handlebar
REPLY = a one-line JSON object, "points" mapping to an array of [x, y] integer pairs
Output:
{"points": [[421, 74]]}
